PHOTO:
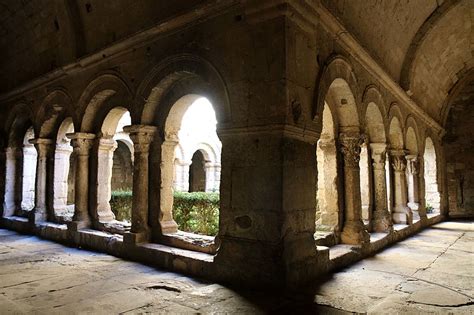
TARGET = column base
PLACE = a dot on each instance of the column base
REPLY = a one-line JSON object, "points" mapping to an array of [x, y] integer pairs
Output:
{"points": [[382, 224], [354, 233], [36, 216], [168, 227], [402, 215], [132, 238], [77, 225]]}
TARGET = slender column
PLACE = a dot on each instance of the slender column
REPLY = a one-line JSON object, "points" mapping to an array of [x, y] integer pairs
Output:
{"points": [[106, 150], [142, 137], [382, 221], [168, 225], [401, 212], [61, 172], [413, 171], [353, 231], [81, 143], [12, 175], [44, 148], [30, 159]]}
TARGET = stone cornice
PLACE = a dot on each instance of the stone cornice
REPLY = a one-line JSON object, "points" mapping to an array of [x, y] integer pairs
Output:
{"points": [[289, 131], [352, 46], [119, 48]]}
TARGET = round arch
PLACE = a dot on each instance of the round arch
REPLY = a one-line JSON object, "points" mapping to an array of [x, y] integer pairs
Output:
{"points": [[56, 106]]}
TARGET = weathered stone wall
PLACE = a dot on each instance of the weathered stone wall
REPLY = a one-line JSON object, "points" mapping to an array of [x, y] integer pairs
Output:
{"points": [[122, 169]]}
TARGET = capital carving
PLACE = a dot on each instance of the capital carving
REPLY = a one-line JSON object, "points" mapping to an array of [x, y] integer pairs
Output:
{"points": [[350, 148], [413, 164], [142, 136], [107, 144], [378, 154], [81, 142], [399, 161], [43, 146]]}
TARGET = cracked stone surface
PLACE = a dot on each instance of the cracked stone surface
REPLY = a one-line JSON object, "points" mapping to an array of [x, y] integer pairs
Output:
{"points": [[432, 272]]}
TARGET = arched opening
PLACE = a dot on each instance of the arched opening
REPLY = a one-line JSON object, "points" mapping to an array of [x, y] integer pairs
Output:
{"points": [[64, 174], [401, 213], [341, 98], [115, 169], [197, 173], [412, 172], [190, 169], [327, 196], [432, 196], [365, 184], [29, 171]]}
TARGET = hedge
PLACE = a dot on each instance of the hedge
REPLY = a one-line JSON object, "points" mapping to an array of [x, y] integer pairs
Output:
{"points": [[196, 212]]}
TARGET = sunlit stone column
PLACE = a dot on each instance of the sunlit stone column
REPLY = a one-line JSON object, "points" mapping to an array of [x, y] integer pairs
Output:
{"points": [[12, 175], [353, 231], [44, 148], [382, 221], [413, 171], [167, 223], [61, 171], [106, 150], [401, 212], [142, 137], [82, 144], [328, 201]]}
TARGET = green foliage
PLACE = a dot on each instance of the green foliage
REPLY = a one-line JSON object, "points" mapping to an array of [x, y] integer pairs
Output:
{"points": [[121, 204], [196, 212], [429, 208]]}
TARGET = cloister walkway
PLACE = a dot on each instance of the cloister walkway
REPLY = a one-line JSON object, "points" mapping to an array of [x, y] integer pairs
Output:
{"points": [[432, 271]]}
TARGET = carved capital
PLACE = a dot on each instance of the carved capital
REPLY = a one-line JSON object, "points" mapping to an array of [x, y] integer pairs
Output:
{"points": [[142, 136], [44, 147], [413, 164], [107, 144], [378, 154], [350, 148], [81, 142], [399, 161]]}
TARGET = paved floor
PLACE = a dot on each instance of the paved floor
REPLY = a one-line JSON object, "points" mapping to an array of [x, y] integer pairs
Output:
{"points": [[432, 272]]}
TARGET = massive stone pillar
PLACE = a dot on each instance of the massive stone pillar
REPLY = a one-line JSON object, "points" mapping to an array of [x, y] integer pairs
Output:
{"points": [[413, 171], [353, 231], [44, 148], [82, 144], [12, 181], [167, 223], [106, 148], [382, 222], [401, 212], [142, 137]]}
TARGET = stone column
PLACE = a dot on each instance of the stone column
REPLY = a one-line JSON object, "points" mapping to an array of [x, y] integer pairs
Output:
{"points": [[413, 171], [327, 186], [167, 223], [142, 137], [61, 171], [353, 231], [106, 148], [12, 175], [81, 143], [28, 175], [401, 212], [44, 148], [382, 220]]}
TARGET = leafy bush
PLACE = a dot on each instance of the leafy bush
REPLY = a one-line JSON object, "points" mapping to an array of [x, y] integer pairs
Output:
{"points": [[196, 212], [429, 208], [121, 204]]}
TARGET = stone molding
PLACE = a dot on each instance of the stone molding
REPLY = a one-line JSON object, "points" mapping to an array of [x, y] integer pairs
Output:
{"points": [[289, 131]]}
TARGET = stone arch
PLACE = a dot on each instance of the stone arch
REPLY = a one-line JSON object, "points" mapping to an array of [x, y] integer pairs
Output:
{"points": [[396, 127], [18, 121], [411, 136], [374, 124], [337, 67], [56, 106], [431, 175], [106, 146], [191, 72], [101, 95], [64, 173]]}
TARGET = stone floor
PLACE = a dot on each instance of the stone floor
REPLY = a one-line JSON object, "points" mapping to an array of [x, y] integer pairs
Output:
{"points": [[432, 272]]}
